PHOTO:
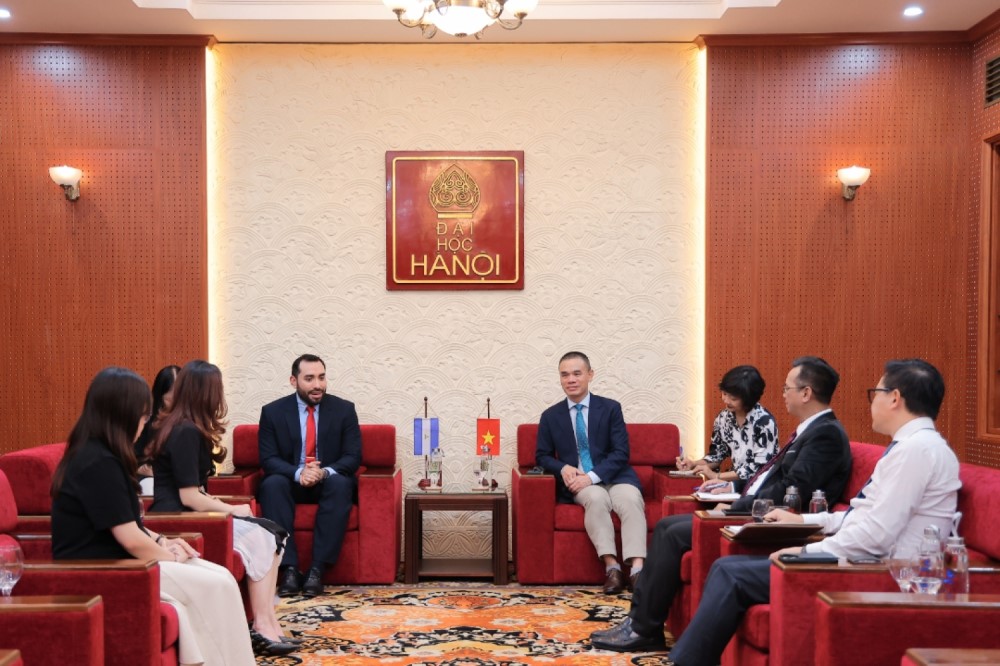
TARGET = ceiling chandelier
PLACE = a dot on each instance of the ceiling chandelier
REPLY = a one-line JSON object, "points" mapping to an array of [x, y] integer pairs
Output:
{"points": [[460, 18]]}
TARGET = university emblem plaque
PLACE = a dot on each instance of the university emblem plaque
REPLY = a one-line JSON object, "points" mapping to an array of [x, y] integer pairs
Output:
{"points": [[454, 220]]}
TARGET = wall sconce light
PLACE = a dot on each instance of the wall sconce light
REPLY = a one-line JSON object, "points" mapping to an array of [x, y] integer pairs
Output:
{"points": [[853, 177], [67, 178]]}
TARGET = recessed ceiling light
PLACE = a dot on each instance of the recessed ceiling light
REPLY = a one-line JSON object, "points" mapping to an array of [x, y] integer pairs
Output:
{"points": [[4, 13], [913, 11]]}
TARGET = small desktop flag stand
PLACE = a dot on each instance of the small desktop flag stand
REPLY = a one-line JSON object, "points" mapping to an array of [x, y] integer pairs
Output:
{"points": [[487, 448], [427, 442]]}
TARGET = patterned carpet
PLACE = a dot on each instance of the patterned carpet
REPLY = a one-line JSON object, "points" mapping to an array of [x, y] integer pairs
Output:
{"points": [[454, 625]]}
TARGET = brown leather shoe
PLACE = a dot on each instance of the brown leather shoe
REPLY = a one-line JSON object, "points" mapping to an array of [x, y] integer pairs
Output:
{"points": [[615, 582]]}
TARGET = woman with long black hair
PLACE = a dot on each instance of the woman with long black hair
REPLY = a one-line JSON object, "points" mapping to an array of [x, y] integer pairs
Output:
{"points": [[96, 515]]}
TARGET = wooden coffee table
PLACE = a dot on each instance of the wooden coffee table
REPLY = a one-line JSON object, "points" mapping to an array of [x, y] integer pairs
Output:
{"points": [[467, 567]]}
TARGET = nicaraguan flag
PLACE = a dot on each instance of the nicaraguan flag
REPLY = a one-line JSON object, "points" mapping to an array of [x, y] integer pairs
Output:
{"points": [[425, 436]]}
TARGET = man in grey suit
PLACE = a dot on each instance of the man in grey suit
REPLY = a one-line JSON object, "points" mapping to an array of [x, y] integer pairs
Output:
{"points": [[583, 442]]}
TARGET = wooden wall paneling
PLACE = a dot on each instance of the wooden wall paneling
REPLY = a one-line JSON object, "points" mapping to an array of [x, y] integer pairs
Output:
{"points": [[985, 126], [119, 276], [794, 269]]}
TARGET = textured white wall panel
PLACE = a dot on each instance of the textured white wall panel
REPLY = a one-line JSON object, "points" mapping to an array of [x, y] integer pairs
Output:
{"points": [[613, 173]]}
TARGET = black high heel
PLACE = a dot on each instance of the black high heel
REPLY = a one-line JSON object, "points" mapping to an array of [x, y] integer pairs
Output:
{"points": [[265, 647]]}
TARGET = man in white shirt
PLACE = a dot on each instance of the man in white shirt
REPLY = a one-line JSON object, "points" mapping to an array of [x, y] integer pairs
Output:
{"points": [[915, 484]]}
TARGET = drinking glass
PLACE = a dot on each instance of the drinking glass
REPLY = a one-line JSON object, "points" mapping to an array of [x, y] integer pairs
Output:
{"points": [[903, 570], [760, 508], [926, 584], [11, 567]]}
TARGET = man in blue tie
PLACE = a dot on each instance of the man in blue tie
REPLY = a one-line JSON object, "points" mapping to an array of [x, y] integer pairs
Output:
{"points": [[583, 442]]}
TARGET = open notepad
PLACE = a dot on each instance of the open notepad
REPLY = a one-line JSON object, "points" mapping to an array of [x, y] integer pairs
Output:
{"points": [[713, 497], [770, 531]]}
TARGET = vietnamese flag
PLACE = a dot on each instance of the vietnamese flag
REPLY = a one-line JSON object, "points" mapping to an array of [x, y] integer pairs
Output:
{"points": [[488, 434]]}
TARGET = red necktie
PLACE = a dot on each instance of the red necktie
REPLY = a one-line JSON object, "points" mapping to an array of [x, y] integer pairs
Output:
{"points": [[310, 433], [770, 463]]}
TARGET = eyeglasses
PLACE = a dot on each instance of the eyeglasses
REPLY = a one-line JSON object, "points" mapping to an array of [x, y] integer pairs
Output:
{"points": [[786, 389], [873, 391]]}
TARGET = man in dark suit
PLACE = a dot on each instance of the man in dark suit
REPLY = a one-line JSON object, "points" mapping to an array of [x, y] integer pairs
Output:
{"points": [[818, 456], [310, 448], [913, 485], [583, 442]]}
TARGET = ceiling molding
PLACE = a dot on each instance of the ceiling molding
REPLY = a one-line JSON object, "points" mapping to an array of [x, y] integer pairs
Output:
{"points": [[837, 39], [372, 10], [985, 27], [81, 39]]}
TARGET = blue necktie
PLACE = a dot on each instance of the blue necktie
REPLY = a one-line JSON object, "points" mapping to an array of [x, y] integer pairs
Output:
{"points": [[582, 443], [861, 493]]}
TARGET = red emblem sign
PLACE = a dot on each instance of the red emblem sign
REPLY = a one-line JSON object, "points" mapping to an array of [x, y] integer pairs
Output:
{"points": [[454, 220]]}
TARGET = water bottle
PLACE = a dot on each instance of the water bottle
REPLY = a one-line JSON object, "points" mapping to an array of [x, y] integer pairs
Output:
{"points": [[931, 554], [792, 500], [956, 567], [818, 502]]}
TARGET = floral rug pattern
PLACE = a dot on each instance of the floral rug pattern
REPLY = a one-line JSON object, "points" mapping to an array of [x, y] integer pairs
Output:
{"points": [[454, 625]]}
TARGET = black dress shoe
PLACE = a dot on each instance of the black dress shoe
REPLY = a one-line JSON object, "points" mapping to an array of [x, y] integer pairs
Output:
{"points": [[289, 582], [265, 647], [313, 587], [623, 626], [633, 579], [631, 642], [615, 582]]}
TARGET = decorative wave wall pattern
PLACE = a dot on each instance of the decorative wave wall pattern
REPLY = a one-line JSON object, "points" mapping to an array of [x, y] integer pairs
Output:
{"points": [[613, 262]]}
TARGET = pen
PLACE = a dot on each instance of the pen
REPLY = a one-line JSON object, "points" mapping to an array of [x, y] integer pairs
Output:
{"points": [[713, 486]]}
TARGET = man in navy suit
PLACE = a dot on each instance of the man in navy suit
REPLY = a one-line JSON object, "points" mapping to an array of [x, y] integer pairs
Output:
{"points": [[818, 456], [583, 442], [310, 448]]}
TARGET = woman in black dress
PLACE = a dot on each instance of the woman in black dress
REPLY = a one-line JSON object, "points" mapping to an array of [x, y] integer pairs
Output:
{"points": [[163, 388], [96, 515], [184, 449]]}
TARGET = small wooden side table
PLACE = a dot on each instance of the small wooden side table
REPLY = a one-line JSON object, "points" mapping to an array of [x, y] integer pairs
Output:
{"points": [[416, 566]]}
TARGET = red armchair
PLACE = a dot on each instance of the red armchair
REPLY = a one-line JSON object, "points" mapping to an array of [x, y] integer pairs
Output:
{"points": [[881, 626], [782, 633], [139, 629], [10, 658], [942, 657], [546, 533], [370, 554], [52, 631]]}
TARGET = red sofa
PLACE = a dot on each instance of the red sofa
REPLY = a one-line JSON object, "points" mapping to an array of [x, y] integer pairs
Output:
{"points": [[782, 633], [877, 628], [30, 474], [370, 554], [139, 629], [546, 533]]}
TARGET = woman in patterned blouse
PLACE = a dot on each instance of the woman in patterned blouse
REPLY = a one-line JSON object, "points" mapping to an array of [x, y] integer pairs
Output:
{"points": [[744, 431]]}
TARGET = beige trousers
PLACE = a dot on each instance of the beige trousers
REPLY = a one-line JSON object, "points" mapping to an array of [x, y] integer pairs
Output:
{"points": [[212, 624], [624, 499]]}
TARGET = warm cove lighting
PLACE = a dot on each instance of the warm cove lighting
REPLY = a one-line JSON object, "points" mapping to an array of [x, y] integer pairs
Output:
{"points": [[460, 18], [67, 178], [912, 11], [853, 177]]}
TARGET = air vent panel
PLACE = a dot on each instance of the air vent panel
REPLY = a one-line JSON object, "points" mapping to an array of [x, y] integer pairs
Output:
{"points": [[993, 81]]}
